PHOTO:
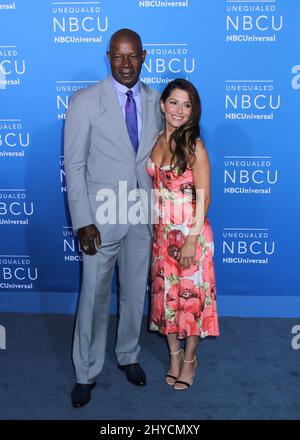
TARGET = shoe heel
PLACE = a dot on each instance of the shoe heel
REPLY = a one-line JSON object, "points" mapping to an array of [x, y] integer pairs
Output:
{"points": [[186, 384], [170, 376]]}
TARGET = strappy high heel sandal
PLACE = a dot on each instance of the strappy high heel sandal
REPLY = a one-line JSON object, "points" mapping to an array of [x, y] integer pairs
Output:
{"points": [[182, 382], [169, 378]]}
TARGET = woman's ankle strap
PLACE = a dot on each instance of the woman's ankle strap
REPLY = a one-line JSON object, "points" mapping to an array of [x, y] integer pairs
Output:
{"points": [[176, 352], [190, 361]]}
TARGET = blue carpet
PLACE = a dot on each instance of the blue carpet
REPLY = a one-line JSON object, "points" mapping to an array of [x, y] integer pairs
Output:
{"points": [[249, 372]]}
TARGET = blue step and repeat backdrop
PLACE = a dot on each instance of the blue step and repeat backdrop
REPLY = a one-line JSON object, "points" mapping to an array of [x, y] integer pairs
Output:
{"points": [[244, 58]]}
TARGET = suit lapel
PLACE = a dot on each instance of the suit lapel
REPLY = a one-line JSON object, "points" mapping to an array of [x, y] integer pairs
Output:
{"points": [[147, 116], [112, 106]]}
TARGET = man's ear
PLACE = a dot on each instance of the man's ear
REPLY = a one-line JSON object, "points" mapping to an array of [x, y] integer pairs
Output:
{"points": [[144, 54]]}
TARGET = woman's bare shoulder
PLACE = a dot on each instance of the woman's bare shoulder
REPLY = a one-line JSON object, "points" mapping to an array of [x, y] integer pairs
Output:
{"points": [[200, 153], [200, 145], [159, 144], [157, 150]]}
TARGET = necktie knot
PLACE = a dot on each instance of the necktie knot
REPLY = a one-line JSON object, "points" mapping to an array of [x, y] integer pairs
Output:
{"points": [[129, 93]]}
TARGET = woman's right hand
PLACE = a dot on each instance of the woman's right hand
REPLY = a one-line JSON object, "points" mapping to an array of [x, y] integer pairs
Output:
{"points": [[187, 254]]}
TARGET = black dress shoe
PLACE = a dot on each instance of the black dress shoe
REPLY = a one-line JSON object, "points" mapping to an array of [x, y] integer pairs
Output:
{"points": [[134, 373], [81, 394]]}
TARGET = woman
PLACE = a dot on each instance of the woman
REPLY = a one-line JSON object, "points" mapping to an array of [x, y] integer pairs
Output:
{"points": [[183, 281]]}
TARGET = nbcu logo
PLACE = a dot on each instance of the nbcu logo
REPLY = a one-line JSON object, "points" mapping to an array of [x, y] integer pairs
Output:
{"points": [[249, 23], [74, 24], [11, 67]]}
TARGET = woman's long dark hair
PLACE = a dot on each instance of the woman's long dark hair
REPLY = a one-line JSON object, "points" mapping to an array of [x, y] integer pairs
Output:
{"points": [[184, 138]]}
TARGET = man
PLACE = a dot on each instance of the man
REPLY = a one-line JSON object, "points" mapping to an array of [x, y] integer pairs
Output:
{"points": [[109, 133]]}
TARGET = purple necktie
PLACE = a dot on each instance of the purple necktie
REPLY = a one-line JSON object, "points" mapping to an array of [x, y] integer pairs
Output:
{"points": [[131, 120]]}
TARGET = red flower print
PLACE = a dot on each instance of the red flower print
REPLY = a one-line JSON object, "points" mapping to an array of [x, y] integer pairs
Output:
{"points": [[176, 237], [166, 178], [188, 188], [183, 300], [173, 251]]}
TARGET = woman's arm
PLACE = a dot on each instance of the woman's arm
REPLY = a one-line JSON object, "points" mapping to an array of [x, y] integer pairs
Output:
{"points": [[201, 177]]}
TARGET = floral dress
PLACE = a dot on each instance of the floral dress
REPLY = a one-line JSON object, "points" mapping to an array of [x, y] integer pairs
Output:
{"points": [[183, 300]]}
